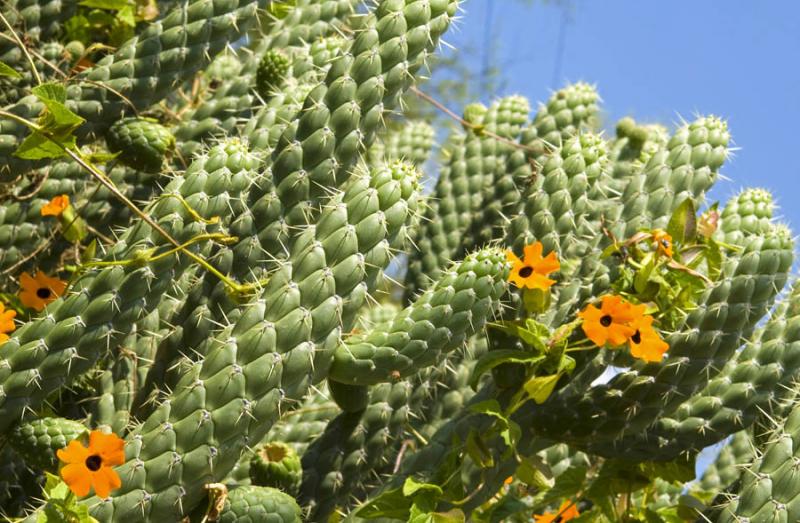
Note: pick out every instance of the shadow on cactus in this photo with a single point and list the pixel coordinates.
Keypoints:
(198, 320)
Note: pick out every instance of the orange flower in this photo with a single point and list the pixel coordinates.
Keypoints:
(91, 467)
(611, 322)
(56, 206)
(508, 480)
(645, 343)
(6, 323)
(663, 242)
(532, 270)
(567, 511)
(37, 291)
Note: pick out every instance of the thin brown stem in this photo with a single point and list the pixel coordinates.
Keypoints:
(103, 179)
(475, 127)
(23, 48)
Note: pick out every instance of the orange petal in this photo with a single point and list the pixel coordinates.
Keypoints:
(511, 257)
(105, 480)
(516, 279)
(54, 284)
(544, 518)
(568, 510)
(651, 348)
(618, 334)
(27, 282)
(638, 312)
(73, 453)
(7, 322)
(533, 253)
(78, 478)
(538, 281)
(548, 264)
(108, 446)
(592, 328)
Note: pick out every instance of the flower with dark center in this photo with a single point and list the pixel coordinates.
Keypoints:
(663, 243)
(645, 343)
(611, 322)
(91, 467)
(39, 290)
(531, 272)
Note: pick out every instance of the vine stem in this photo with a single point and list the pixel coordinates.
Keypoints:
(475, 127)
(103, 179)
(23, 48)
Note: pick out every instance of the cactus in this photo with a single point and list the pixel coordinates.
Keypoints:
(276, 465)
(271, 72)
(230, 313)
(727, 467)
(251, 504)
(140, 143)
(37, 442)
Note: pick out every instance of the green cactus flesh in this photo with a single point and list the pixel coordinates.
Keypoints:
(277, 465)
(259, 505)
(247, 328)
(141, 143)
(37, 441)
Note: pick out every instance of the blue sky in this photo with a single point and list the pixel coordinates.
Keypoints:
(658, 61)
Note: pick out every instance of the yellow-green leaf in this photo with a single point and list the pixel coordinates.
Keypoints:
(683, 222)
(540, 387)
(6, 70)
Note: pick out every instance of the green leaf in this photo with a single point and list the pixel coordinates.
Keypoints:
(73, 228)
(109, 5)
(5, 70)
(535, 472)
(59, 119)
(52, 487)
(642, 278)
(89, 252)
(509, 430)
(126, 16)
(477, 450)
(540, 387)
(50, 92)
(490, 407)
(511, 434)
(683, 222)
(77, 28)
(567, 486)
(96, 157)
(36, 147)
(57, 122)
(535, 334)
(390, 504)
(679, 470)
(494, 358)
(503, 510)
(567, 364)
(451, 516)
(713, 259)
(411, 487)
